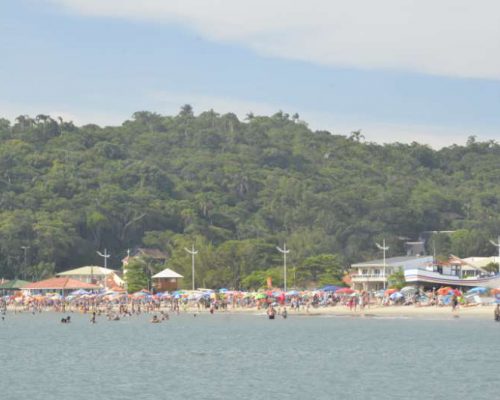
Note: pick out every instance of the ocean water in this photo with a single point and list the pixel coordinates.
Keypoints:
(225, 356)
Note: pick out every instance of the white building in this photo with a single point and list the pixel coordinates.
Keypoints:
(372, 275)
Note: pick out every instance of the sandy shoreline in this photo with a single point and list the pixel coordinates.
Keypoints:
(482, 312)
(477, 312)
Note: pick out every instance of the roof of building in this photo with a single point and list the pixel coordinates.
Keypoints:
(392, 261)
(145, 252)
(167, 273)
(88, 270)
(59, 284)
(15, 284)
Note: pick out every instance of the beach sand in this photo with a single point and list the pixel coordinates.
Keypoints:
(377, 311)
(481, 311)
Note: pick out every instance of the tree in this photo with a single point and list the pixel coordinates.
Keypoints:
(135, 275)
(397, 280)
(324, 268)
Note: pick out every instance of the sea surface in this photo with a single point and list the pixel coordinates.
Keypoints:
(226, 356)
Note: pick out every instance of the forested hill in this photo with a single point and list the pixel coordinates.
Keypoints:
(235, 188)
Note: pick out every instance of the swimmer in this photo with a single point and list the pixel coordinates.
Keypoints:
(155, 320)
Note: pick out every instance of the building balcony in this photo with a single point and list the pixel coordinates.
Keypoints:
(368, 278)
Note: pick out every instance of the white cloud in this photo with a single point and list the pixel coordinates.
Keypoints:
(444, 37)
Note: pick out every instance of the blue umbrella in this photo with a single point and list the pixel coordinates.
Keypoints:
(396, 296)
(478, 290)
(79, 292)
(330, 288)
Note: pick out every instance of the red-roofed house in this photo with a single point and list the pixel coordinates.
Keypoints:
(62, 285)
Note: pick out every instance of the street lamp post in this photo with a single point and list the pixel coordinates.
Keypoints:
(497, 244)
(193, 252)
(105, 255)
(285, 252)
(384, 248)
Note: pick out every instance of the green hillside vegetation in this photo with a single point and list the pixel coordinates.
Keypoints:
(236, 189)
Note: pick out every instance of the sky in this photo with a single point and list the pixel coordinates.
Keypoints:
(398, 70)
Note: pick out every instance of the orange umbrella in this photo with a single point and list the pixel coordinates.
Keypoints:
(388, 292)
(444, 291)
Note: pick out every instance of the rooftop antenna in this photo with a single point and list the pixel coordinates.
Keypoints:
(384, 248)
(193, 252)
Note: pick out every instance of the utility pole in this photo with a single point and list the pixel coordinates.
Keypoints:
(384, 248)
(193, 252)
(497, 244)
(285, 252)
(25, 248)
(105, 255)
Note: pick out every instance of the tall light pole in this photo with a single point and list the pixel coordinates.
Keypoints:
(193, 252)
(25, 248)
(105, 255)
(285, 252)
(384, 248)
(497, 244)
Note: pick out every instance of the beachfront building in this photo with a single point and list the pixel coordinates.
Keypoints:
(61, 285)
(372, 275)
(104, 277)
(152, 256)
(166, 280)
(455, 272)
(15, 285)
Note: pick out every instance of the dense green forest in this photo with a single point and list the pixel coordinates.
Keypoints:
(236, 189)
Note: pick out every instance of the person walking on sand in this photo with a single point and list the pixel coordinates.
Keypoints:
(454, 302)
(497, 313)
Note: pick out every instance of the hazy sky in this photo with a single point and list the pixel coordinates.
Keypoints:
(399, 70)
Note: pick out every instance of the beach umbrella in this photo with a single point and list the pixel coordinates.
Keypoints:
(444, 291)
(260, 296)
(330, 288)
(292, 293)
(79, 292)
(344, 291)
(478, 290)
(390, 291)
(396, 296)
(409, 290)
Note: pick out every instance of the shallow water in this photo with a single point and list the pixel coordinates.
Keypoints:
(226, 356)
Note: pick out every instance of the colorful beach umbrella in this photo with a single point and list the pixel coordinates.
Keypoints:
(344, 291)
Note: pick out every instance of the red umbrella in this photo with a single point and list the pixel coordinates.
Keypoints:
(345, 291)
